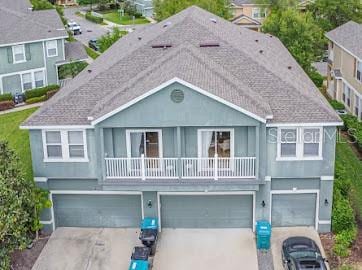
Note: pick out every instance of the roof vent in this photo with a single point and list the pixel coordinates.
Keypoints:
(209, 44)
(257, 40)
(139, 38)
(289, 67)
(261, 51)
(166, 24)
(270, 36)
(89, 71)
(213, 20)
(163, 46)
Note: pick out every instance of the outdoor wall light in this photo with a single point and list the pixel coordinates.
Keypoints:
(149, 203)
(326, 202)
(263, 203)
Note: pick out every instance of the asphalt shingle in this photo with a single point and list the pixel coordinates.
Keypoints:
(349, 36)
(248, 69)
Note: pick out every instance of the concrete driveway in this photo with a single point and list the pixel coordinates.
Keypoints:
(280, 234)
(88, 249)
(206, 249)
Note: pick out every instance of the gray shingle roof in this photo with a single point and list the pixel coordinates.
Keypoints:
(348, 35)
(19, 24)
(251, 70)
(74, 51)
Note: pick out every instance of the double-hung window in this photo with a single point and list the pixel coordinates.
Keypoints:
(64, 146)
(300, 143)
(359, 70)
(52, 48)
(27, 81)
(19, 54)
(39, 78)
(346, 95)
(258, 13)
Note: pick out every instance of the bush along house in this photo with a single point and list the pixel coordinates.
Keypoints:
(193, 120)
(32, 46)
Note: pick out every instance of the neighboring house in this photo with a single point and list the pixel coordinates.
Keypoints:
(32, 45)
(344, 80)
(193, 120)
(251, 14)
(145, 7)
(248, 13)
(65, 2)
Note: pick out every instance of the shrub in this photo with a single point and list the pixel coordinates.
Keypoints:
(92, 18)
(343, 241)
(51, 93)
(91, 53)
(337, 105)
(108, 39)
(316, 78)
(36, 99)
(41, 4)
(343, 215)
(6, 105)
(71, 70)
(6, 97)
(38, 92)
(21, 203)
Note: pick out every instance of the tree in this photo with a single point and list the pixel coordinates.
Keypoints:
(20, 205)
(330, 14)
(299, 33)
(167, 8)
(108, 39)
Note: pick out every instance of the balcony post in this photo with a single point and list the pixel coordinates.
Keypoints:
(178, 163)
(215, 167)
(143, 167)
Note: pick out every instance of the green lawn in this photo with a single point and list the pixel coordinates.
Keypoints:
(18, 139)
(348, 158)
(114, 17)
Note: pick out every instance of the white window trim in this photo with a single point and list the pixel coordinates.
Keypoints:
(199, 138)
(357, 63)
(24, 55)
(128, 139)
(300, 145)
(65, 146)
(260, 11)
(47, 48)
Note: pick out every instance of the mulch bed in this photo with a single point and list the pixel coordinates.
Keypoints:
(356, 250)
(25, 259)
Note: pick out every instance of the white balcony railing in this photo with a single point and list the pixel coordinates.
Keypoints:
(184, 168)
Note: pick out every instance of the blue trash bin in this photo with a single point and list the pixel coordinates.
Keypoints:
(149, 233)
(139, 265)
(263, 234)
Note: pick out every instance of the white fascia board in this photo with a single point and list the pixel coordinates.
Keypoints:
(32, 41)
(325, 124)
(327, 178)
(57, 127)
(180, 81)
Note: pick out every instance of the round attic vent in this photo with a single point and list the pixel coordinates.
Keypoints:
(177, 96)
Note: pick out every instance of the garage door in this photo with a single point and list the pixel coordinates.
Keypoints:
(97, 210)
(208, 211)
(293, 209)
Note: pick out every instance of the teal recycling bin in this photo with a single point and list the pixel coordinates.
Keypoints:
(263, 234)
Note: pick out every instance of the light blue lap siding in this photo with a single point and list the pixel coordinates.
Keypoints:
(210, 211)
(97, 210)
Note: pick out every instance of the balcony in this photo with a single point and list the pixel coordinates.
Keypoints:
(180, 168)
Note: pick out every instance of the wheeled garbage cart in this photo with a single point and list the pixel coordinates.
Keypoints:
(263, 234)
(149, 233)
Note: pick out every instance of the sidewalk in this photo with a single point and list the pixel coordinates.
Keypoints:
(21, 108)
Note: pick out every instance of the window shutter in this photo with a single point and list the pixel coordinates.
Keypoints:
(10, 55)
(27, 52)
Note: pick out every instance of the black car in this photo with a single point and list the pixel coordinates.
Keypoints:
(93, 44)
(302, 253)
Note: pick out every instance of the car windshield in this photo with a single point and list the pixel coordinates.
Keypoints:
(304, 254)
(72, 24)
(311, 265)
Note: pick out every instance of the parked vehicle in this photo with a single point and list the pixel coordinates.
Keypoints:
(93, 44)
(74, 27)
(301, 253)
